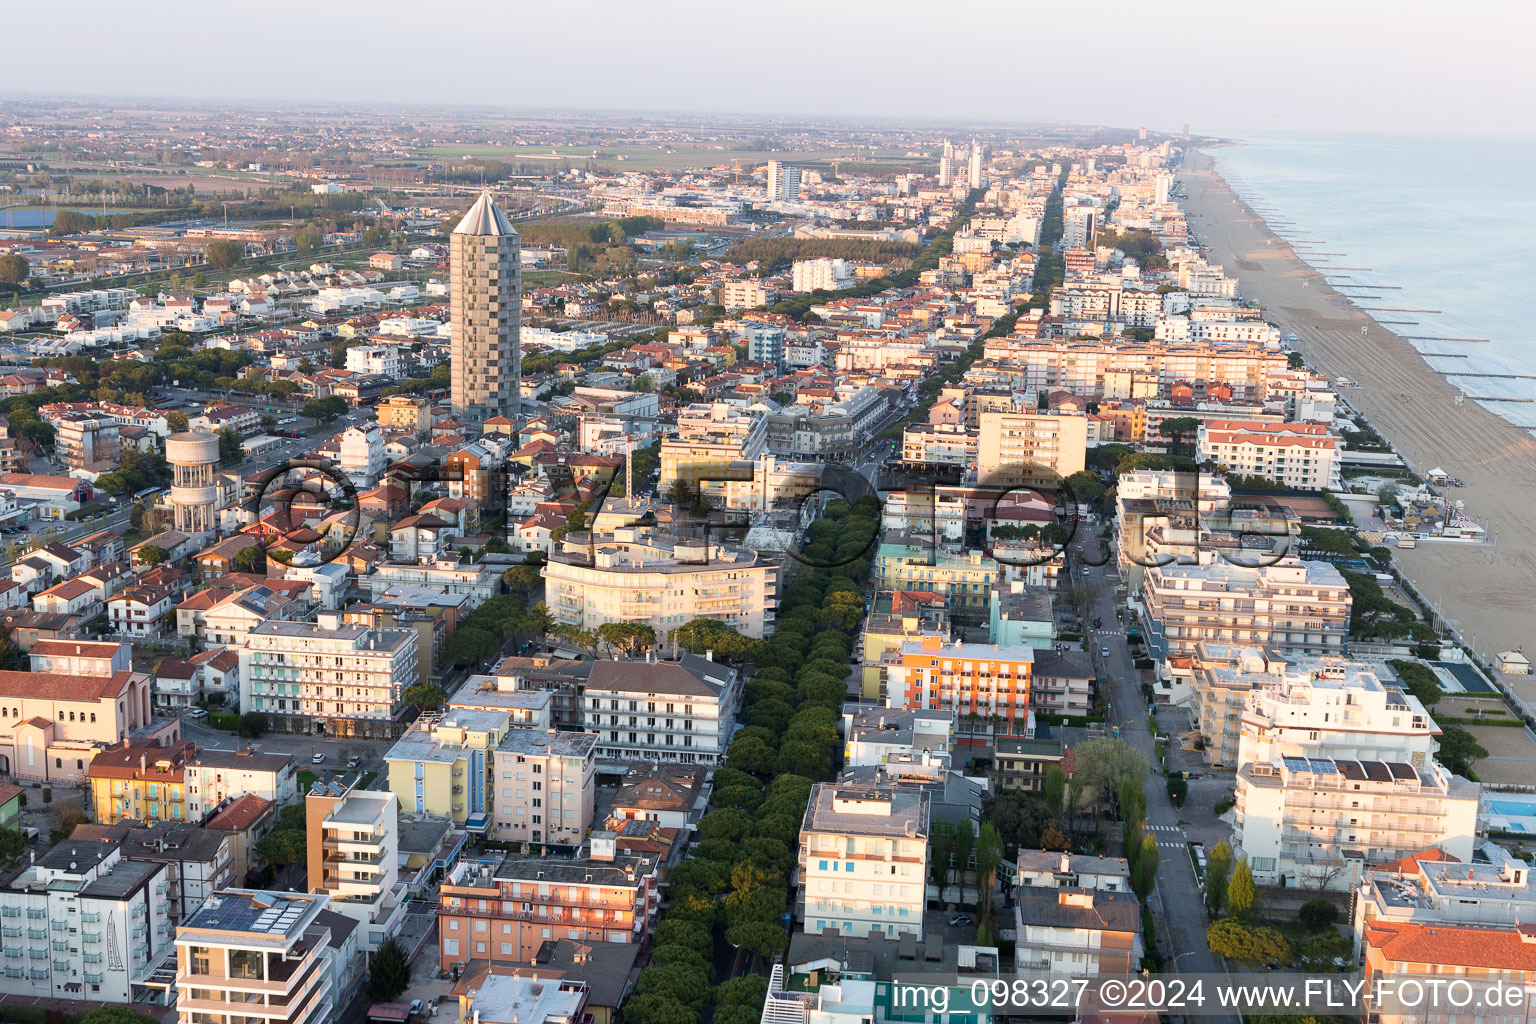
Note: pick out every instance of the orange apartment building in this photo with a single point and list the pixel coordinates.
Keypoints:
(502, 913)
(985, 685)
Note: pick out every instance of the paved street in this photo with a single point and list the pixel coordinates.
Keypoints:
(1181, 934)
(301, 747)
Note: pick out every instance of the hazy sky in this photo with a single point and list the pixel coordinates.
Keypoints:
(1240, 65)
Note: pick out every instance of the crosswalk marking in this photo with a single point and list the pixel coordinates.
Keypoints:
(1165, 828)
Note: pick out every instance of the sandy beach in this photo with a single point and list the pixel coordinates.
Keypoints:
(1487, 591)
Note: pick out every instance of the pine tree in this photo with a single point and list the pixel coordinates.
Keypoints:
(389, 974)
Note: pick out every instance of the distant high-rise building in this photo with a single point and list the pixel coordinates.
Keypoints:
(947, 164)
(783, 181)
(976, 172)
(1141, 133)
(486, 314)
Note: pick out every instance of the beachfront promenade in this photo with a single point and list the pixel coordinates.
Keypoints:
(1487, 591)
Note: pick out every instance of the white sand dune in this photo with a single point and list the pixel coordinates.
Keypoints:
(1488, 591)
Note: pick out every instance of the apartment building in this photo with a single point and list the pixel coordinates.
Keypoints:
(895, 617)
(442, 765)
(711, 441)
(1310, 821)
(543, 787)
(1164, 500)
(1031, 449)
(1072, 930)
(832, 430)
(1300, 455)
(1121, 368)
(1431, 889)
(1021, 614)
(346, 679)
(214, 778)
(86, 440)
(1062, 682)
(360, 453)
(873, 735)
(1291, 606)
(476, 582)
(976, 682)
(679, 711)
(1333, 707)
(54, 721)
(864, 859)
(82, 921)
(143, 783)
(745, 294)
(821, 275)
(410, 413)
(939, 444)
(538, 693)
(245, 950)
(198, 861)
(502, 912)
(635, 575)
(353, 840)
(965, 578)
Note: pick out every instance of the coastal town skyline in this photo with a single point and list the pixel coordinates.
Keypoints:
(519, 565)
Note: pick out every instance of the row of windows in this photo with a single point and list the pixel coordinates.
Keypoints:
(16, 713)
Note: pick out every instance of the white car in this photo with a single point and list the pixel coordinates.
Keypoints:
(317, 759)
(1103, 652)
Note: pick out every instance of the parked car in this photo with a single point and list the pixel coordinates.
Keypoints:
(317, 759)
(196, 713)
(958, 920)
(353, 762)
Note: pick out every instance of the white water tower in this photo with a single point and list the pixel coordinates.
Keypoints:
(194, 459)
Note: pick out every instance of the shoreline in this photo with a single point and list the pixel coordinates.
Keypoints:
(1485, 592)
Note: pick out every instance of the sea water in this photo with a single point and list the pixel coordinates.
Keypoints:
(1450, 220)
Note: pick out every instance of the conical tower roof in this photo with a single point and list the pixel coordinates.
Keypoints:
(485, 218)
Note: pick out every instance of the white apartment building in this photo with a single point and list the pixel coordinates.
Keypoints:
(939, 444)
(783, 182)
(380, 360)
(347, 679)
(864, 859)
(1314, 822)
(1030, 448)
(1333, 707)
(354, 850)
(872, 735)
(1301, 455)
(829, 275)
(630, 575)
(680, 711)
(747, 294)
(213, 777)
(246, 951)
(81, 921)
(361, 454)
(477, 583)
(543, 783)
